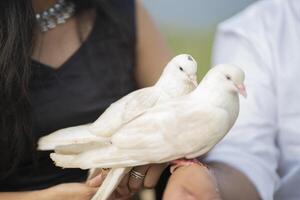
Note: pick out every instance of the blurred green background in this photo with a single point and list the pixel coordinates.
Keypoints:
(189, 25)
(196, 43)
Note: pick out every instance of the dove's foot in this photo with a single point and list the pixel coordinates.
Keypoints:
(184, 162)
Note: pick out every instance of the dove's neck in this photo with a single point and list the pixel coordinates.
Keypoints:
(174, 86)
(216, 95)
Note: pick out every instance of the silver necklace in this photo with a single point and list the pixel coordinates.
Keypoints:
(56, 14)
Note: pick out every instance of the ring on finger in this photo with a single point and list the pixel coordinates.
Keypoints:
(137, 175)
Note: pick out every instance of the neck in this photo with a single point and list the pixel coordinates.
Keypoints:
(42, 5)
(217, 96)
(174, 87)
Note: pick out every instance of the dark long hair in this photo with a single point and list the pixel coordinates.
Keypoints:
(17, 24)
(17, 33)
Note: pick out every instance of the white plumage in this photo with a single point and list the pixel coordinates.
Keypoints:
(178, 78)
(183, 128)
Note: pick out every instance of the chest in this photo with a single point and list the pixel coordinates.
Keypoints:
(96, 75)
(286, 80)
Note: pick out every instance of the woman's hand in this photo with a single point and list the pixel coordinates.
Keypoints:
(66, 191)
(71, 191)
(74, 191)
(191, 183)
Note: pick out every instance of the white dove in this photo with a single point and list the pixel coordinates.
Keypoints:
(183, 128)
(178, 78)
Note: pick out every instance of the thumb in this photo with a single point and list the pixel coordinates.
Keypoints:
(96, 181)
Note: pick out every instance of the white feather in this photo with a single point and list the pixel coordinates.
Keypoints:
(69, 136)
(110, 183)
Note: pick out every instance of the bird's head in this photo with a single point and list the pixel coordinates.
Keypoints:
(229, 76)
(183, 66)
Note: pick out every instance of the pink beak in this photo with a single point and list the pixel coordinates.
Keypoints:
(241, 90)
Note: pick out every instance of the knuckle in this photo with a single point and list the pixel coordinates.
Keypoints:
(149, 185)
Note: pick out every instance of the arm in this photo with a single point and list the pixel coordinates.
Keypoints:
(227, 180)
(151, 50)
(211, 185)
(66, 191)
(34, 195)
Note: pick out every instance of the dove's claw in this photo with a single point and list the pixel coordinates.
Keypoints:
(184, 162)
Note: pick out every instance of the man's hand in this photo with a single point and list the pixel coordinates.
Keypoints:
(192, 182)
(131, 185)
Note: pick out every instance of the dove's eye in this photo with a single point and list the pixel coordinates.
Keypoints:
(228, 77)
(181, 69)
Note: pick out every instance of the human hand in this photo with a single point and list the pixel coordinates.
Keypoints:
(191, 182)
(74, 191)
(131, 185)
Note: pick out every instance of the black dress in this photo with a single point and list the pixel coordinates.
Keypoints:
(97, 74)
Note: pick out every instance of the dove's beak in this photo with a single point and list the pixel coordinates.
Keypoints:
(241, 90)
(193, 79)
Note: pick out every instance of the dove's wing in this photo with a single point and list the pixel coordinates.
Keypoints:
(75, 140)
(161, 134)
(124, 110)
(182, 127)
(79, 148)
(69, 136)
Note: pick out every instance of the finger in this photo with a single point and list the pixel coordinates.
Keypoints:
(134, 183)
(153, 174)
(123, 189)
(93, 173)
(96, 181)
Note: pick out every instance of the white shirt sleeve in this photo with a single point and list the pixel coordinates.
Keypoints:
(250, 145)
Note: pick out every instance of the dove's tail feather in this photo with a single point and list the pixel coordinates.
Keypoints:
(79, 148)
(68, 136)
(110, 183)
(61, 160)
(108, 157)
(70, 161)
